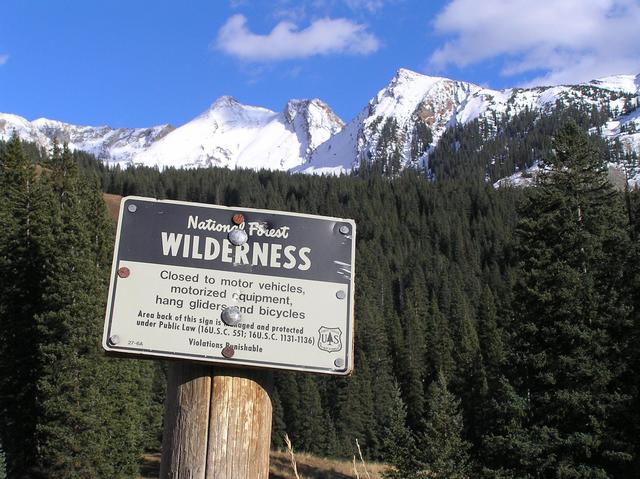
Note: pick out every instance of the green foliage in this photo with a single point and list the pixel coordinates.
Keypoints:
(153, 407)
(278, 425)
(440, 450)
(387, 157)
(400, 446)
(20, 301)
(572, 316)
(489, 341)
(443, 449)
(68, 411)
(494, 148)
(421, 247)
(420, 140)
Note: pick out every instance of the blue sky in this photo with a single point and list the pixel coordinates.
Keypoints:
(142, 63)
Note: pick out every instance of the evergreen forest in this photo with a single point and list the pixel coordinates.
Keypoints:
(497, 329)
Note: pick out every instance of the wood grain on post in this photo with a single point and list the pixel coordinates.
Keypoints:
(240, 425)
(217, 423)
(186, 421)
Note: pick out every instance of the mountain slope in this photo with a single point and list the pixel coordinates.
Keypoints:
(228, 134)
(400, 127)
(406, 119)
(233, 135)
(112, 145)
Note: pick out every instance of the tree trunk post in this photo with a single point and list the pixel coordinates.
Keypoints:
(186, 420)
(217, 423)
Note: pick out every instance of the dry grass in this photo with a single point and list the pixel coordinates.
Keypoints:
(309, 467)
(113, 205)
(294, 466)
(313, 467)
(150, 466)
(364, 465)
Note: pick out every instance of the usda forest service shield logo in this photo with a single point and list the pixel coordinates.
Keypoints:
(330, 339)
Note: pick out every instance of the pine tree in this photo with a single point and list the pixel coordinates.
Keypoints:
(439, 342)
(20, 267)
(82, 431)
(443, 450)
(354, 418)
(489, 334)
(506, 447)
(414, 355)
(573, 243)
(312, 423)
(278, 425)
(399, 443)
(67, 411)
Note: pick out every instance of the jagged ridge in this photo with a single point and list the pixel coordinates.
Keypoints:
(397, 129)
(406, 119)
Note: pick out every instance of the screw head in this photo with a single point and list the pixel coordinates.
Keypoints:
(238, 219)
(228, 351)
(231, 316)
(340, 294)
(114, 339)
(339, 363)
(344, 229)
(132, 208)
(124, 272)
(238, 237)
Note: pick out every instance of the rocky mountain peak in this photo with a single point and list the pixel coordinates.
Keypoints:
(400, 126)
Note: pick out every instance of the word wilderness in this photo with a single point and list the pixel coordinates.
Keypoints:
(192, 280)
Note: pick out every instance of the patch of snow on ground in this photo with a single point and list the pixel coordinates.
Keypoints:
(519, 179)
(622, 83)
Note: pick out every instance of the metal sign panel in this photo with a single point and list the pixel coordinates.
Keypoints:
(236, 286)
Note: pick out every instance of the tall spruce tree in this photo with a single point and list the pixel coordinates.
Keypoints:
(571, 315)
(399, 442)
(278, 425)
(21, 212)
(82, 431)
(67, 411)
(442, 448)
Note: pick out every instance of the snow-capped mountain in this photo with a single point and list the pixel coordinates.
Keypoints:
(119, 145)
(228, 134)
(398, 128)
(626, 127)
(407, 117)
(233, 135)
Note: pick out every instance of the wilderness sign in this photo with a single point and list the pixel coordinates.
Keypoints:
(237, 286)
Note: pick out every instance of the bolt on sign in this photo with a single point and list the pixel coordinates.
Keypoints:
(235, 286)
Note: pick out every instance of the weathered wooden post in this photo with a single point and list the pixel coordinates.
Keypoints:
(186, 419)
(241, 289)
(217, 423)
(239, 425)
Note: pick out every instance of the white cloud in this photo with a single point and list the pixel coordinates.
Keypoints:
(4, 57)
(292, 13)
(567, 40)
(234, 4)
(322, 37)
(359, 6)
(369, 5)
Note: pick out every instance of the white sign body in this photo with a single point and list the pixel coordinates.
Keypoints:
(175, 271)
